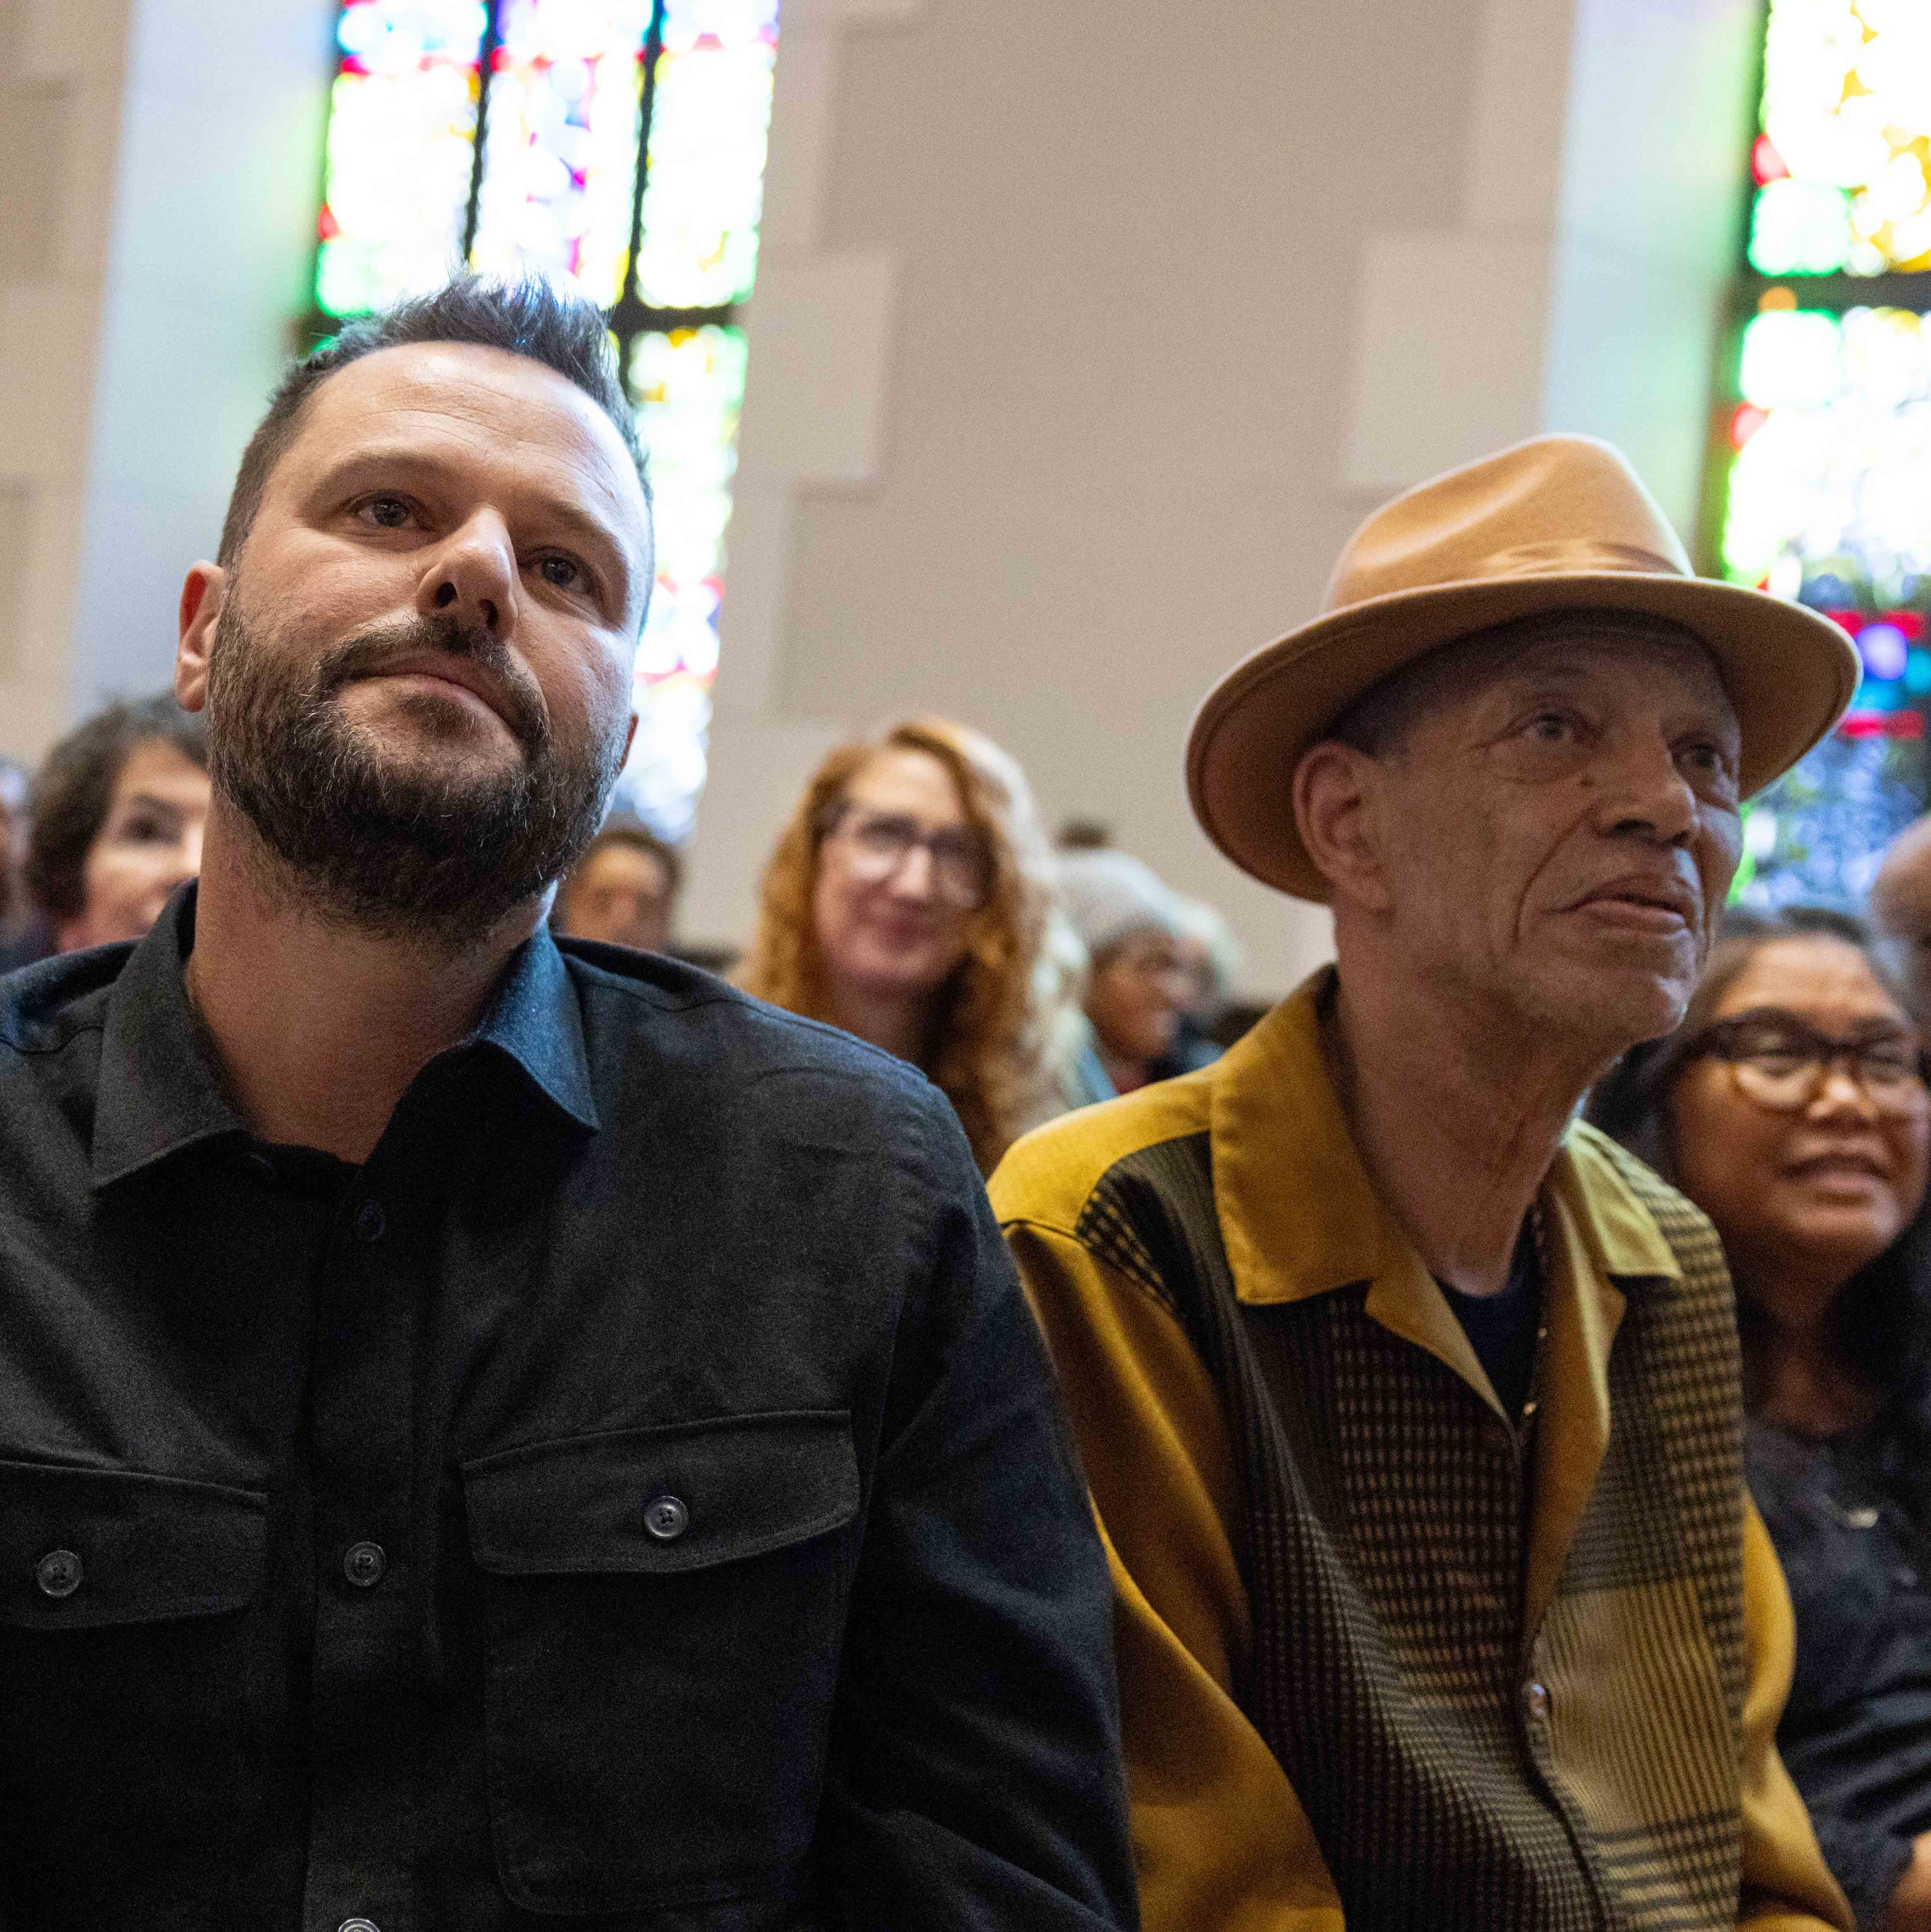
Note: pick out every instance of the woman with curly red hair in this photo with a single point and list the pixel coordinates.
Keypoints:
(910, 901)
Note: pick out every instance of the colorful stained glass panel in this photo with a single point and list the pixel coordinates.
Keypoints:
(560, 151)
(402, 131)
(689, 388)
(1844, 164)
(709, 119)
(1829, 492)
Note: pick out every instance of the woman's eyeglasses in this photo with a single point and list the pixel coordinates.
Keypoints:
(1780, 1064)
(878, 843)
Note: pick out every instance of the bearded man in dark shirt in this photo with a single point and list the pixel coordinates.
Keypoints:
(495, 1436)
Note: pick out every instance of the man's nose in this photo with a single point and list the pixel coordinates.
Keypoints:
(472, 577)
(1644, 791)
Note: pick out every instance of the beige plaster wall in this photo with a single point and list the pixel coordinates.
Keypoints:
(62, 64)
(1145, 309)
(1084, 334)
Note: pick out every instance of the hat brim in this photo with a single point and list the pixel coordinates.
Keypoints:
(1790, 673)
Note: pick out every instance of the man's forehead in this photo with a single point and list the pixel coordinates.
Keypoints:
(451, 394)
(1587, 648)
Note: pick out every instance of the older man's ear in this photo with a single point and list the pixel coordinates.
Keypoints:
(1341, 808)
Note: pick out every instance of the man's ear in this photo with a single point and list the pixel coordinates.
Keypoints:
(1340, 799)
(201, 597)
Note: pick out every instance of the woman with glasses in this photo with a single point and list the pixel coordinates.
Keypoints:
(910, 900)
(1791, 1107)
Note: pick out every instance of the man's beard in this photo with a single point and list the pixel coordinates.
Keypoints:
(371, 840)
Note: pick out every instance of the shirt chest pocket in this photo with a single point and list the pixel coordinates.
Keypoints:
(127, 1669)
(663, 1610)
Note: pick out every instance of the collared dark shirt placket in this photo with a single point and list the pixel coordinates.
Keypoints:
(365, 1723)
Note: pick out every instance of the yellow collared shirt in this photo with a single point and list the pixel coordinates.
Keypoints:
(1224, 1842)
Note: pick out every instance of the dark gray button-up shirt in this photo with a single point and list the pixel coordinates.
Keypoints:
(635, 1497)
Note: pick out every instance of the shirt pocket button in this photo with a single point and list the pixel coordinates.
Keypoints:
(666, 1518)
(364, 1564)
(58, 1573)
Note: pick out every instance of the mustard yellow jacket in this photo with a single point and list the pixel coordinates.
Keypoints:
(1223, 1840)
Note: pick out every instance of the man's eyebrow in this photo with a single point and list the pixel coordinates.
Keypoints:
(389, 459)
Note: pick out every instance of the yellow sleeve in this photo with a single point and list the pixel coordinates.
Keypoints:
(1220, 1840)
(1786, 1886)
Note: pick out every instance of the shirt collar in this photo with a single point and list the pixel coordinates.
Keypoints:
(534, 1021)
(158, 1093)
(1299, 1218)
(1298, 1214)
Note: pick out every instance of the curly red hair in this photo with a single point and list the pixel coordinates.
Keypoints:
(992, 1028)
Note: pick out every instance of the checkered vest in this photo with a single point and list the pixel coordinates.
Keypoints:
(1459, 1770)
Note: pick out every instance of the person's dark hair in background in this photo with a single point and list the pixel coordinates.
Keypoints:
(623, 890)
(1084, 834)
(116, 814)
(1791, 1106)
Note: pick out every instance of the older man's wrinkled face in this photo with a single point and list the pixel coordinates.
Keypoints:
(1559, 831)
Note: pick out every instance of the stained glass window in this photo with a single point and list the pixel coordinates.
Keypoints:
(509, 134)
(1822, 448)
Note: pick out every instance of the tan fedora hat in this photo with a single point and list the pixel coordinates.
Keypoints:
(1559, 523)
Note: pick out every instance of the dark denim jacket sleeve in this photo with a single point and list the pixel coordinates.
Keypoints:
(1866, 1860)
(975, 1778)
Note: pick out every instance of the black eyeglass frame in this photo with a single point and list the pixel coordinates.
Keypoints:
(841, 812)
(1725, 1040)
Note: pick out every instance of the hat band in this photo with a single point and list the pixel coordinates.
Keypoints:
(1565, 554)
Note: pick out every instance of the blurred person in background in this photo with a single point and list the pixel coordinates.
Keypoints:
(117, 812)
(1210, 959)
(908, 901)
(1900, 907)
(13, 786)
(1791, 1107)
(623, 891)
(1137, 985)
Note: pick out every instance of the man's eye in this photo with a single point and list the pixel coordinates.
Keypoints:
(564, 572)
(1550, 728)
(387, 513)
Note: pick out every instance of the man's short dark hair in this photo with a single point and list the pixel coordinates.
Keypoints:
(70, 797)
(527, 317)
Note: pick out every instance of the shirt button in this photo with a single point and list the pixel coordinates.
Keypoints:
(370, 1221)
(364, 1564)
(58, 1573)
(1535, 1698)
(358, 1925)
(667, 1519)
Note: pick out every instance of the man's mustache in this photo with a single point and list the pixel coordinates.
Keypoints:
(369, 654)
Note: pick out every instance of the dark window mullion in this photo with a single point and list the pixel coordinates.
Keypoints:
(491, 40)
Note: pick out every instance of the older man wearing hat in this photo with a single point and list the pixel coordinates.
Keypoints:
(1409, 1404)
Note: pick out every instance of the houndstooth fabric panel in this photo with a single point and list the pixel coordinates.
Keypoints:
(1385, 1509)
